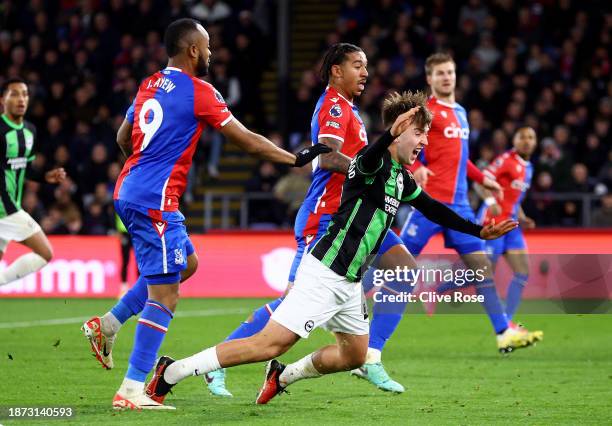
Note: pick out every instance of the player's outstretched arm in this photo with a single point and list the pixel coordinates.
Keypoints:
(439, 213)
(124, 138)
(261, 147)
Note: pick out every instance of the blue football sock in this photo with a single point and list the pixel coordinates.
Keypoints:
(492, 305)
(387, 315)
(257, 323)
(132, 302)
(150, 332)
(515, 291)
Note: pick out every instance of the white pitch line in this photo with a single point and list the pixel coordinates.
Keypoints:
(79, 320)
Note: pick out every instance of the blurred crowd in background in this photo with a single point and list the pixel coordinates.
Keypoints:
(542, 63)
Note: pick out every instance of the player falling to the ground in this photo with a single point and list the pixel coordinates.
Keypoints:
(336, 123)
(442, 168)
(327, 291)
(513, 171)
(159, 136)
(16, 151)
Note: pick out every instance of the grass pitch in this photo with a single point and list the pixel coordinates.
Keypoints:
(448, 364)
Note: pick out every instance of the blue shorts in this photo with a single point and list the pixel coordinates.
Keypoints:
(418, 230)
(310, 227)
(160, 240)
(513, 240)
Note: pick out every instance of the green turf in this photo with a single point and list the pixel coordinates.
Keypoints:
(448, 364)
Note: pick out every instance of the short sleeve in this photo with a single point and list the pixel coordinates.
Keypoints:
(334, 120)
(411, 189)
(209, 105)
(129, 115)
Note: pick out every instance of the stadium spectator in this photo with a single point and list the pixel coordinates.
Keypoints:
(602, 217)
(264, 213)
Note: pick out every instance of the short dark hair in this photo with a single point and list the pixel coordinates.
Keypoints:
(396, 104)
(336, 55)
(437, 59)
(176, 32)
(7, 83)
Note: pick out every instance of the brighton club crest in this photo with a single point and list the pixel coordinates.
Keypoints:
(400, 185)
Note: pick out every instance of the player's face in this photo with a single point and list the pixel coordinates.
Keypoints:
(203, 58)
(410, 143)
(354, 73)
(442, 79)
(525, 142)
(15, 100)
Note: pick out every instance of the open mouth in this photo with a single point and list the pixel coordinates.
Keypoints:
(417, 150)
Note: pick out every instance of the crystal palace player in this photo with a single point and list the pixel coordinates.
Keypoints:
(327, 291)
(159, 136)
(16, 152)
(443, 169)
(336, 123)
(513, 171)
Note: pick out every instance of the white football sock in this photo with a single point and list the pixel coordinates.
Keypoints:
(22, 266)
(302, 369)
(195, 365)
(130, 387)
(373, 356)
(110, 325)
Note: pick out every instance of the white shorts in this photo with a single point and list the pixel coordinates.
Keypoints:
(322, 298)
(18, 226)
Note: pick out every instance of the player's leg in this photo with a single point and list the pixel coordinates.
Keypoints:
(348, 353)
(309, 304)
(20, 227)
(102, 330)
(515, 253)
(308, 229)
(160, 240)
(508, 338)
(274, 340)
(386, 315)
(517, 259)
(350, 327)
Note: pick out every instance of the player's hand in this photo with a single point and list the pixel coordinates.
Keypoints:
(493, 230)
(527, 222)
(401, 119)
(421, 175)
(306, 155)
(494, 187)
(55, 175)
(495, 209)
